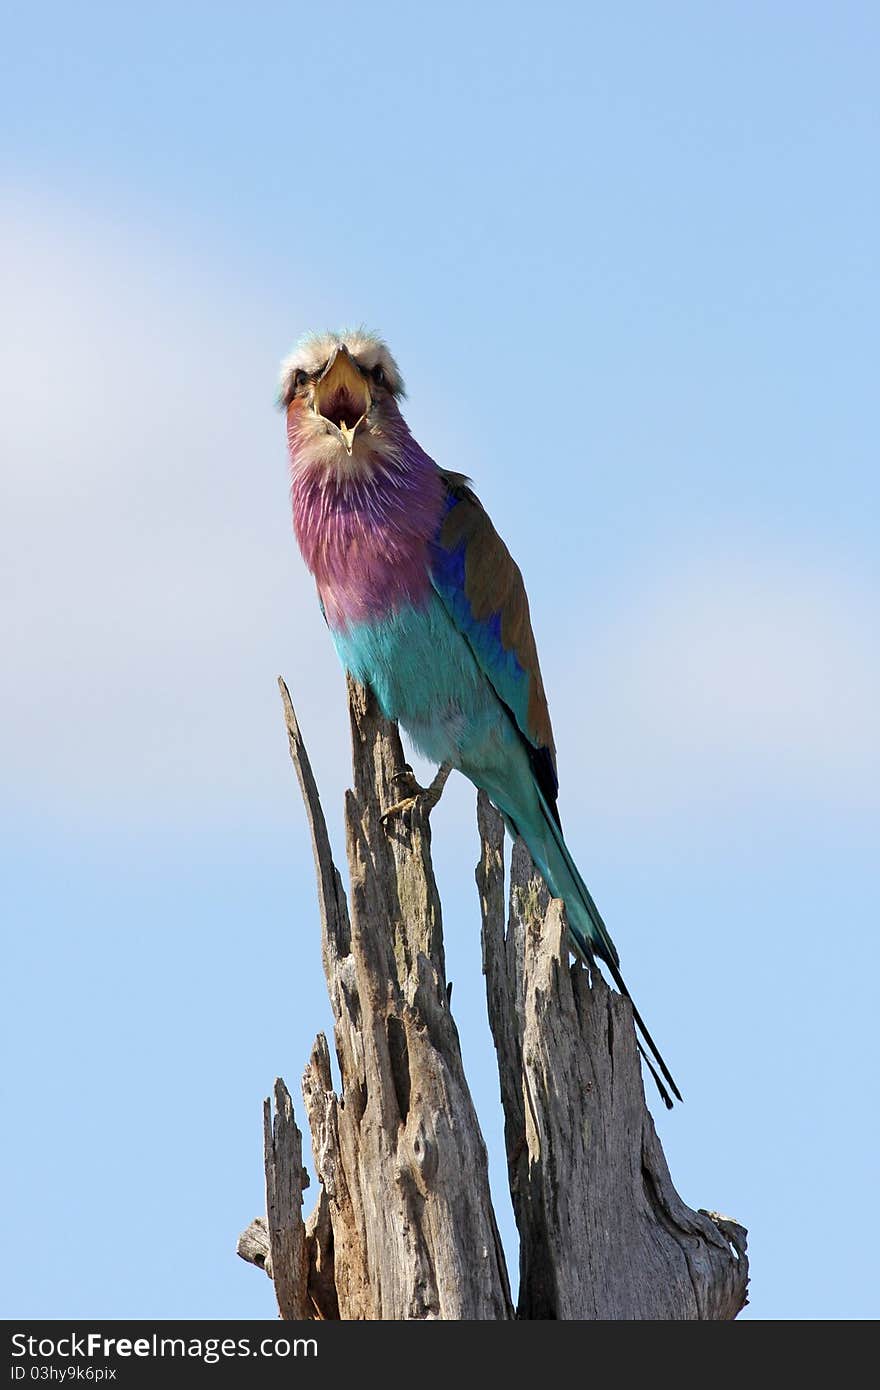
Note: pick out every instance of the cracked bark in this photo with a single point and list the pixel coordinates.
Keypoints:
(404, 1226)
(603, 1232)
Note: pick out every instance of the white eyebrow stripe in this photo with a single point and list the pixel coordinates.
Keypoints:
(368, 350)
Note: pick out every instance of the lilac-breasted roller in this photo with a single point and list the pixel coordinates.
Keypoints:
(426, 606)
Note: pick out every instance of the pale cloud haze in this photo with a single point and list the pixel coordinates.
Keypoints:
(155, 589)
(153, 577)
(742, 679)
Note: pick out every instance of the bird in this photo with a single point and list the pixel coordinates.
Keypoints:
(427, 608)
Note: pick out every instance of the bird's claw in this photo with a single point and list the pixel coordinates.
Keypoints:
(407, 778)
(400, 808)
(425, 798)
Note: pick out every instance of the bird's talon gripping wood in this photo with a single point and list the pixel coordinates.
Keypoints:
(407, 779)
(412, 792)
(425, 798)
(427, 608)
(400, 808)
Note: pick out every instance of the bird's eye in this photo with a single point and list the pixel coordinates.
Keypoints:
(378, 375)
(300, 378)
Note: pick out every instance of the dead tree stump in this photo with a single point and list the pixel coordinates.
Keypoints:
(404, 1227)
(603, 1233)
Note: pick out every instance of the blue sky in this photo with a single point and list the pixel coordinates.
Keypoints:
(626, 258)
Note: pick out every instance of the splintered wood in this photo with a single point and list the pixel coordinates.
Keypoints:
(403, 1227)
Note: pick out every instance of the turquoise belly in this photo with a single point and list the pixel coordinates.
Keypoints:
(425, 675)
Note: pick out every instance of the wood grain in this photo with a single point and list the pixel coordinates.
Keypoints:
(404, 1226)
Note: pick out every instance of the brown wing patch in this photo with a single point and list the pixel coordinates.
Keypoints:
(494, 584)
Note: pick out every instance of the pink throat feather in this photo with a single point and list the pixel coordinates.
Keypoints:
(365, 536)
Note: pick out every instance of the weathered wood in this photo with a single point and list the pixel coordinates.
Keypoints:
(404, 1226)
(603, 1233)
(303, 1254)
(322, 1267)
(399, 1152)
(253, 1245)
(285, 1180)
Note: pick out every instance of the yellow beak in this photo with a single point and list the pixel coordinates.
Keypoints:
(342, 396)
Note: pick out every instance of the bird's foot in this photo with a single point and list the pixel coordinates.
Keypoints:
(425, 798)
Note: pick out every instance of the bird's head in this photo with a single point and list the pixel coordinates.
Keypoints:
(340, 391)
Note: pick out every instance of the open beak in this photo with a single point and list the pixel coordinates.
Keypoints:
(342, 396)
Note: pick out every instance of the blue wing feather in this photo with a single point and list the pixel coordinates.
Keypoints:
(510, 665)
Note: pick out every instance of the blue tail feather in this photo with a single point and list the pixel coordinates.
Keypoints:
(589, 935)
